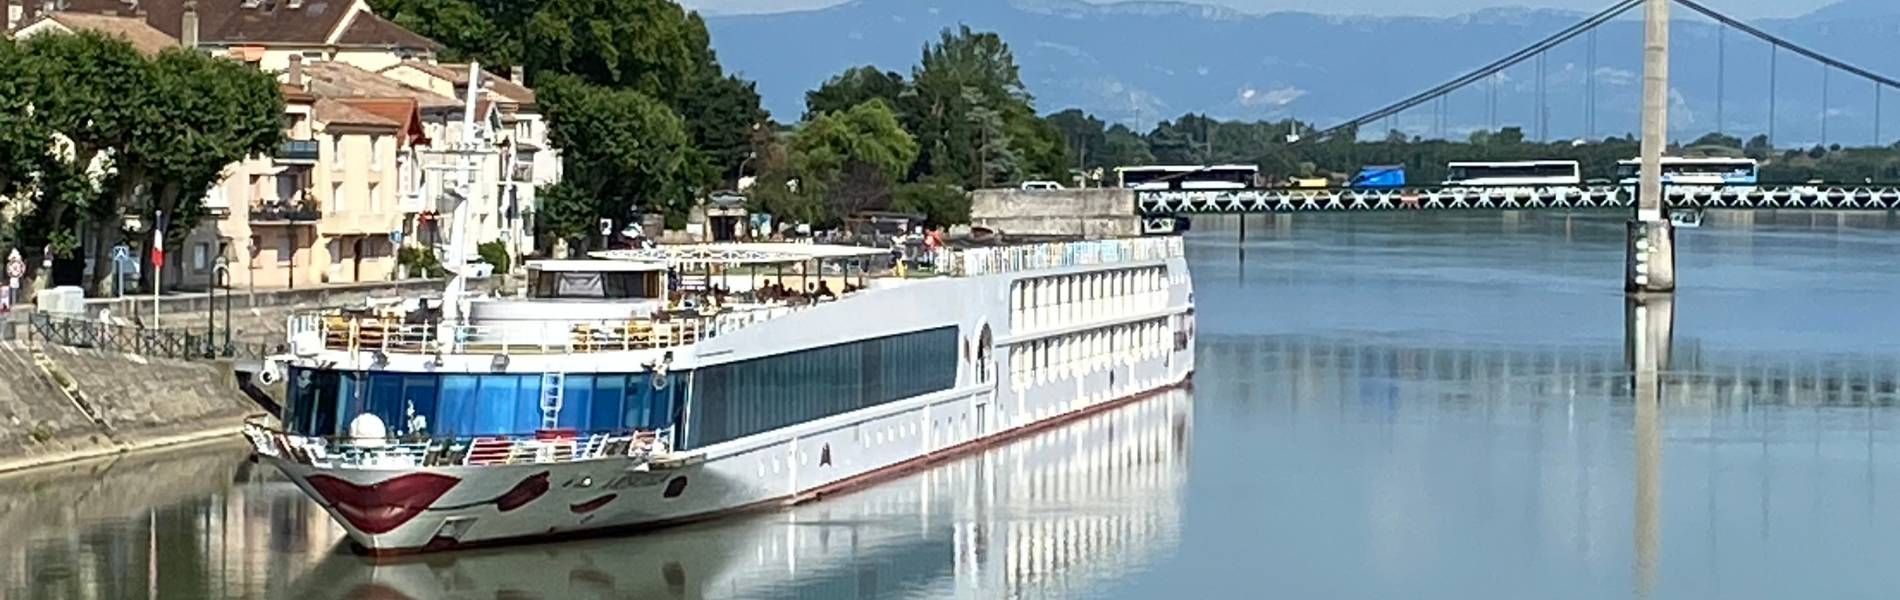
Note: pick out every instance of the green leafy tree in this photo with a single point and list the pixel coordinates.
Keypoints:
(488, 31)
(203, 113)
(648, 46)
(853, 157)
(623, 152)
(1085, 136)
(91, 89)
(853, 87)
(941, 203)
(972, 115)
(723, 117)
(1122, 147)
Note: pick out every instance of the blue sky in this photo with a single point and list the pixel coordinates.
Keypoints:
(1739, 8)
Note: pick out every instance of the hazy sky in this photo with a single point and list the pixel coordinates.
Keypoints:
(1739, 8)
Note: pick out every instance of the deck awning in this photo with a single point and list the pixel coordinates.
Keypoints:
(740, 254)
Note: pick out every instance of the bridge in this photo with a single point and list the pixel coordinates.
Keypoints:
(1656, 206)
(1175, 203)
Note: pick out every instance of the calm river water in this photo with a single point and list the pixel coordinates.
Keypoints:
(1416, 406)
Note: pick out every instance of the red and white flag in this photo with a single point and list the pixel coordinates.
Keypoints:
(158, 241)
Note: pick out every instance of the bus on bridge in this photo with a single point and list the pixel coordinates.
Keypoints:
(1718, 172)
(1532, 173)
(1189, 177)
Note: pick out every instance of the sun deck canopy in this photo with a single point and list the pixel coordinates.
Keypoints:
(739, 254)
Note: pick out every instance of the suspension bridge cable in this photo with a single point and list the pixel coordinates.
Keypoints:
(1589, 25)
(1791, 46)
(1486, 71)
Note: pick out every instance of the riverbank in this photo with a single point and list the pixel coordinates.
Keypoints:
(59, 405)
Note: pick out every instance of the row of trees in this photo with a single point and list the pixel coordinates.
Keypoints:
(92, 132)
(1199, 139)
(877, 140)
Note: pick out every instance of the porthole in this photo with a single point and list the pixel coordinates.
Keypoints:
(674, 487)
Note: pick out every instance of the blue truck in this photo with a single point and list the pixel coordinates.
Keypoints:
(1379, 178)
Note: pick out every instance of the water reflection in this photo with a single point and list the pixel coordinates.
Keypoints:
(1458, 406)
(183, 524)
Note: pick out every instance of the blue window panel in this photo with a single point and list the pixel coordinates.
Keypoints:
(527, 403)
(577, 401)
(610, 392)
(497, 404)
(386, 401)
(455, 407)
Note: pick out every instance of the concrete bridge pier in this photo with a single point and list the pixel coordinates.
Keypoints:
(1650, 322)
(1651, 268)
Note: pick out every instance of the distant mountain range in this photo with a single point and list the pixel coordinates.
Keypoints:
(1141, 62)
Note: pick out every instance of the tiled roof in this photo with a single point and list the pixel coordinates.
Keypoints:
(401, 111)
(338, 80)
(229, 22)
(338, 112)
(457, 73)
(136, 31)
(367, 29)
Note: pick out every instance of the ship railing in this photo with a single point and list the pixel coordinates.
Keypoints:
(393, 336)
(974, 262)
(408, 452)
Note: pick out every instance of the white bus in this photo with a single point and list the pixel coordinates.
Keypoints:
(1170, 177)
(1523, 173)
(1694, 171)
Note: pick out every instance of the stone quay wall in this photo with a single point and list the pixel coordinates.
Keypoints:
(61, 404)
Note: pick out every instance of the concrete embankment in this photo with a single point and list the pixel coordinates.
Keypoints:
(1095, 212)
(61, 404)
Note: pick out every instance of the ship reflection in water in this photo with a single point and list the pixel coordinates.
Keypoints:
(1056, 514)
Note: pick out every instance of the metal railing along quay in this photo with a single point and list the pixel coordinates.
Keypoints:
(144, 341)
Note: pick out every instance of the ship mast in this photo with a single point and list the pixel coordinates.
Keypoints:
(470, 147)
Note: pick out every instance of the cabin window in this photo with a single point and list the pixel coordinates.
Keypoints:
(323, 402)
(574, 284)
(743, 398)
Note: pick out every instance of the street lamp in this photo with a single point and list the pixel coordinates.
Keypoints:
(748, 159)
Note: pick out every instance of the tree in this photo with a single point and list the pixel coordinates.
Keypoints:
(1122, 147)
(972, 116)
(853, 157)
(203, 113)
(941, 203)
(90, 89)
(853, 87)
(653, 47)
(1718, 140)
(722, 117)
(23, 139)
(1084, 135)
(485, 31)
(622, 152)
(1758, 147)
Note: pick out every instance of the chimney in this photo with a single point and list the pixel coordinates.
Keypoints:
(294, 75)
(188, 25)
(517, 75)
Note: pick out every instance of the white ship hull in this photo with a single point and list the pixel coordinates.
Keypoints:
(1052, 514)
(1025, 365)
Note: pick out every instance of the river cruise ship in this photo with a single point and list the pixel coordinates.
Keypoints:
(649, 387)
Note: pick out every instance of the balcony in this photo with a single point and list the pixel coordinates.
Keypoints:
(280, 212)
(523, 172)
(297, 151)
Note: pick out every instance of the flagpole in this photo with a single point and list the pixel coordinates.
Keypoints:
(158, 261)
